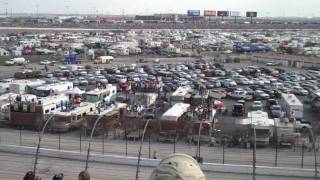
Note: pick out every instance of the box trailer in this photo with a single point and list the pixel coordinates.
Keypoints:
(292, 106)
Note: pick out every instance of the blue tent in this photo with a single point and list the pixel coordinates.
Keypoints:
(71, 59)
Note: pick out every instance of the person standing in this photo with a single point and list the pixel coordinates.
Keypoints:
(46, 68)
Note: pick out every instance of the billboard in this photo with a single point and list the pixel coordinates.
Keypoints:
(210, 13)
(223, 13)
(193, 13)
(252, 14)
(234, 13)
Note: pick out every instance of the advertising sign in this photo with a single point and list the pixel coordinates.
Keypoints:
(252, 14)
(234, 13)
(223, 13)
(193, 13)
(210, 13)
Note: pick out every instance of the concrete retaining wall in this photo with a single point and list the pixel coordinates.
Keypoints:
(132, 161)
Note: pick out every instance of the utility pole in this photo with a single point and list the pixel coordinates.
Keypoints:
(67, 9)
(37, 10)
(6, 4)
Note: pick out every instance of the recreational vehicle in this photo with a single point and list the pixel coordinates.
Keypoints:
(31, 112)
(49, 89)
(292, 106)
(104, 97)
(180, 95)
(71, 118)
(172, 122)
(263, 126)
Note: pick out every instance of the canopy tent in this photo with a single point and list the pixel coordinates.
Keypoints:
(75, 91)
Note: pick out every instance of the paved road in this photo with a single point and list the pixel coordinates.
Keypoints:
(71, 141)
(16, 165)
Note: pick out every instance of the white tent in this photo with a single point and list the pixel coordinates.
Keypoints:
(75, 91)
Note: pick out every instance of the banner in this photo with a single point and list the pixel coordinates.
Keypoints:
(210, 13)
(223, 13)
(193, 13)
(252, 14)
(234, 13)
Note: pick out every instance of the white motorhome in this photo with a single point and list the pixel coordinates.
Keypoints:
(51, 89)
(262, 124)
(292, 106)
(53, 104)
(63, 121)
(105, 96)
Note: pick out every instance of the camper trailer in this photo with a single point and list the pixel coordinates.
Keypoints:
(17, 61)
(172, 122)
(180, 95)
(103, 60)
(20, 86)
(49, 89)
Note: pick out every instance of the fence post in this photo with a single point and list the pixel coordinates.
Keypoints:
(20, 134)
(59, 141)
(104, 134)
(149, 148)
(276, 159)
(302, 155)
(222, 152)
(80, 139)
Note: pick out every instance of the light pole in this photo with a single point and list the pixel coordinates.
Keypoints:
(6, 4)
(254, 153)
(140, 148)
(37, 10)
(39, 142)
(92, 131)
(254, 149)
(315, 154)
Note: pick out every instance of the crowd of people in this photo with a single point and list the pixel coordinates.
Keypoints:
(83, 175)
(175, 166)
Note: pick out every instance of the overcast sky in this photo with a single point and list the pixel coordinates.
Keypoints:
(305, 8)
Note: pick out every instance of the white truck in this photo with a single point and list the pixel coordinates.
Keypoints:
(292, 106)
(17, 61)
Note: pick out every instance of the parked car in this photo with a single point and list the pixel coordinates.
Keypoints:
(275, 111)
(83, 82)
(239, 94)
(297, 90)
(257, 106)
(47, 62)
(229, 83)
(259, 94)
